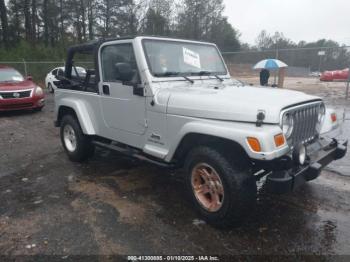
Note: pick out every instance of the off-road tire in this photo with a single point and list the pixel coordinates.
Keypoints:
(239, 185)
(84, 148)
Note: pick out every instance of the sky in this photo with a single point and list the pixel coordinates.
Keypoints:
(307, 20)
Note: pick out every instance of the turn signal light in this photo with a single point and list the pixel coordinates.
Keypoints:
(254, 144)
(279, 140)
(334, 117)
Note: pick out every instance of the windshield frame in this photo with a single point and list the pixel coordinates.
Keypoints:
(181, 74)
(15, 72)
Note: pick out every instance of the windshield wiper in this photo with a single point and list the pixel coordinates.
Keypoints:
(208, 73)
(202, 73)
(188, 79)
(169, 73)
(219, 78)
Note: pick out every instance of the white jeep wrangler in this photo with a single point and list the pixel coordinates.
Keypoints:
(172, 102)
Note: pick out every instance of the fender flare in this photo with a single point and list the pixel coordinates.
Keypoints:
(235, 132)
(200, 128)
(82, 111)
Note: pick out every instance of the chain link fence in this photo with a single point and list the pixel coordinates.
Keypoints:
(305, 65)
(39, 69)
(302, 62)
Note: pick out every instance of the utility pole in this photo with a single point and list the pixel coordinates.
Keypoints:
(276, 57)
(321, 54)
(25, 68)
(347, 86)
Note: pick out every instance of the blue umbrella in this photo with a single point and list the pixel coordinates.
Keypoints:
(270, 64)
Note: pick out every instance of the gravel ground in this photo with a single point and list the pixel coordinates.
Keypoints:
(113, 205)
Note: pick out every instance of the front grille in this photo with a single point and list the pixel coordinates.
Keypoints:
(14, 106)
(15, 94)
(305, 123)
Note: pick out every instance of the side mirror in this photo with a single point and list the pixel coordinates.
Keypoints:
(139, 90)
(124, 72)
(30, 78)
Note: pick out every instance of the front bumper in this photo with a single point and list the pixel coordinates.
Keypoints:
(321, 154)
(22, 103)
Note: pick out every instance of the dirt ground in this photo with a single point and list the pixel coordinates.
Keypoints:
(113, 205)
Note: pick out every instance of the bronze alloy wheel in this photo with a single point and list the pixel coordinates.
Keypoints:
(207, 187)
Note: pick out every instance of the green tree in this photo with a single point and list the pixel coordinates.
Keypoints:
(204, 20)
(4, 22)
(155, 24)
(224, 35)
(59, 23)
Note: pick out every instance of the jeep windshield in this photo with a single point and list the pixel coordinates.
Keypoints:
(167, 58)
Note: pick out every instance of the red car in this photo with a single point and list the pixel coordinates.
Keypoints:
(337, 75)
(18, 93)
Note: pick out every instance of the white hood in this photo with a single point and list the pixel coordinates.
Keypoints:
(232, 102)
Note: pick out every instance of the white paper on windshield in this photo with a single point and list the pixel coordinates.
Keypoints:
(191, 58)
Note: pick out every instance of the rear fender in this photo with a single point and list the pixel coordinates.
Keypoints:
(82, 111)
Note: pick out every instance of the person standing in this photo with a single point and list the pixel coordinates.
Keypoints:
(264, 77)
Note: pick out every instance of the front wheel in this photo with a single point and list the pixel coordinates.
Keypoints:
(77, 145)
(222, 193)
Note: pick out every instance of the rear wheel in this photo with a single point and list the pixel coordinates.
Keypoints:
(222, 193)
(77, 145)
(49, 86)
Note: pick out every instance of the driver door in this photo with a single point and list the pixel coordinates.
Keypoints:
(122, 110)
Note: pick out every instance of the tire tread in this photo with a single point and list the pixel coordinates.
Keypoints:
(241, 185)
(85, 148)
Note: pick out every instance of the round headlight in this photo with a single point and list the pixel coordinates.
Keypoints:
(321, 117)
(39, 91)
(287, 125)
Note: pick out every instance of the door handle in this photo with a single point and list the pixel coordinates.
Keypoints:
(105, 90)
